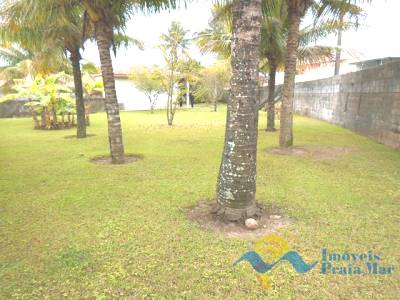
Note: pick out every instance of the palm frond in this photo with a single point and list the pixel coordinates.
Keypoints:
(217, 42)
(13, 55)
(336, 9)
(122, 40)
(312, 33)
(315, 55)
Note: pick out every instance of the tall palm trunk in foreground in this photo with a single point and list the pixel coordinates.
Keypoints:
(296, 11)
(103, 33)
(271, 97)
(80, 105)
(236, 186)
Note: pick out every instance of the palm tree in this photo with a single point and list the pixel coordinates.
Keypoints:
(103, 15)
(173, 46)
(106, 17)
(308, 54)
(296, 11)
(347, 15)
(20, 63)
(272, 49)
(58, 23)
(69, 34)
(273, 44)
(236, 185)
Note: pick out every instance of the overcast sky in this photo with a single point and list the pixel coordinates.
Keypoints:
(377, 37)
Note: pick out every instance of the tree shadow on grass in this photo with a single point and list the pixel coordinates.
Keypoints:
(73, 136)
(106, 159)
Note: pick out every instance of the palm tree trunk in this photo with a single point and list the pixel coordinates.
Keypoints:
(271, 98)
(236, 186)
(187, 94)
(114, 123)
(87, 114)
(80, 105)
(170, 113)
(338, 50)
(35, 119)
(215, 98)
(62, 121)
(34, 116)
(286, 120)
(55, 121)
(43, 118)
(48, 119)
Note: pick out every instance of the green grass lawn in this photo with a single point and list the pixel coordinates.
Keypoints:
(73, 229)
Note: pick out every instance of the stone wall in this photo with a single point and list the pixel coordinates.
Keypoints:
(95, 104)
(17, 108)
(14, 108)
(367, 102)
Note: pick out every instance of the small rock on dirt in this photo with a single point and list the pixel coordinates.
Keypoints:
(251, 223)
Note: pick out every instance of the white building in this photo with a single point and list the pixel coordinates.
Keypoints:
(130, 97)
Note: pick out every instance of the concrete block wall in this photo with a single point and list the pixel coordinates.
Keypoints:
(367, 102)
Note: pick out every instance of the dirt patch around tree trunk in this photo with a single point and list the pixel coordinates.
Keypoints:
(106, 160)
(313, 152)
(269, 221)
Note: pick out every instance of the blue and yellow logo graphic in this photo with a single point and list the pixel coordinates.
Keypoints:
(277, 249)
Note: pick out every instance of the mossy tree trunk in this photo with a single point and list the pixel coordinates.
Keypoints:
(236, 186)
